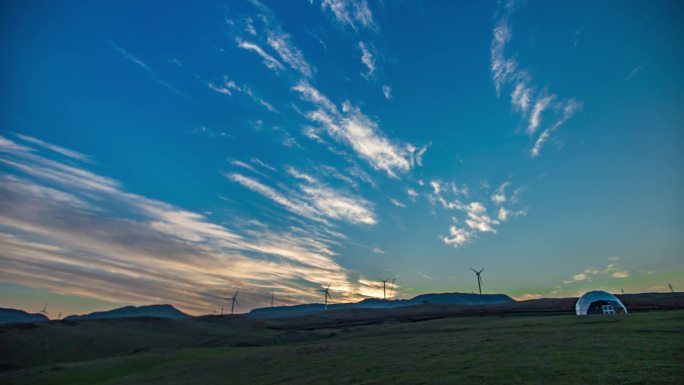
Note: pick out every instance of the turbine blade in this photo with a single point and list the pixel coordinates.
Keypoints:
(328, 286)
(473, 270)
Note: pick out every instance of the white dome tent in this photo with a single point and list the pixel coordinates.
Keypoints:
(599, 302)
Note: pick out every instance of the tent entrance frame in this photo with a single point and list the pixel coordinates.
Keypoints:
(608, 309)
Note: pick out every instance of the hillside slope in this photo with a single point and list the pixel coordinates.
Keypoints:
(158, 311)
(17, 316)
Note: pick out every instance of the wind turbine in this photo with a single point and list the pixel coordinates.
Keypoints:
(326, 295)
(479, 279)
(272, 296)
(44, 311)
(392, 287)
(233, 300)
(384, 283)
(670, 286)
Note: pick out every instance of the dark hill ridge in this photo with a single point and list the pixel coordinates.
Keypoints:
(19, 316)
(43, 343)
(464, 299)
(424, 306)
(158, 311)
(366, 316)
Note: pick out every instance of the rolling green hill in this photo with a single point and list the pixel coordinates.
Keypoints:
(642, 348)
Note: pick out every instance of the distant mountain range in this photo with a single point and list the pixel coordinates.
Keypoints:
(19, 316)
(168, 311)
(159, 311)
(374, 303)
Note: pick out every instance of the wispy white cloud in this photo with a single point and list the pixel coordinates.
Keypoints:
(478, 219)
(314, 200)
(367, 59)
(397, 203)
(246, 166)
(132, 58)
(249, 27)
(204, 130)
(579, 277)
(58, 233)
(295, 206)
(500, 195)
(621, 274)
(153, 75)
(535, 118)
(350, 13)
(263, 164)
(416, 154)
(633, 73)
(286, 138)
(350, 126)
(272, 43)
(527, 296)
(458, 236)
(269, 61)
(337, 206)
(333, 203)
(280, 42)
(220, 89)
(521, 97)
(503, 213)
(175, 62)
(569, 109)
(532, 102)
(360, 174)
(60, 150)
(332, 172)
(610, 269)
(227, 86)
(502, 68)
(387, 91)
(472, 217)
(311, 94)
(440, 188)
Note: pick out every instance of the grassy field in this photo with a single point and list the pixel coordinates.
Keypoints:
(642, 348)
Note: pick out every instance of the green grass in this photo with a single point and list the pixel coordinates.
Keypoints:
(642, 348)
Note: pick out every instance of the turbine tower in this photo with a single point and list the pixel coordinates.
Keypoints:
(479, 279)
(384, 283)
(326, 295)
(272, 296)
(233, 300)
(392, 287)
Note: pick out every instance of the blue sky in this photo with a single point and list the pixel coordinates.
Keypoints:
(154, 152)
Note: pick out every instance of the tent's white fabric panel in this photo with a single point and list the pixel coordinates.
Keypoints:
(588, 298)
